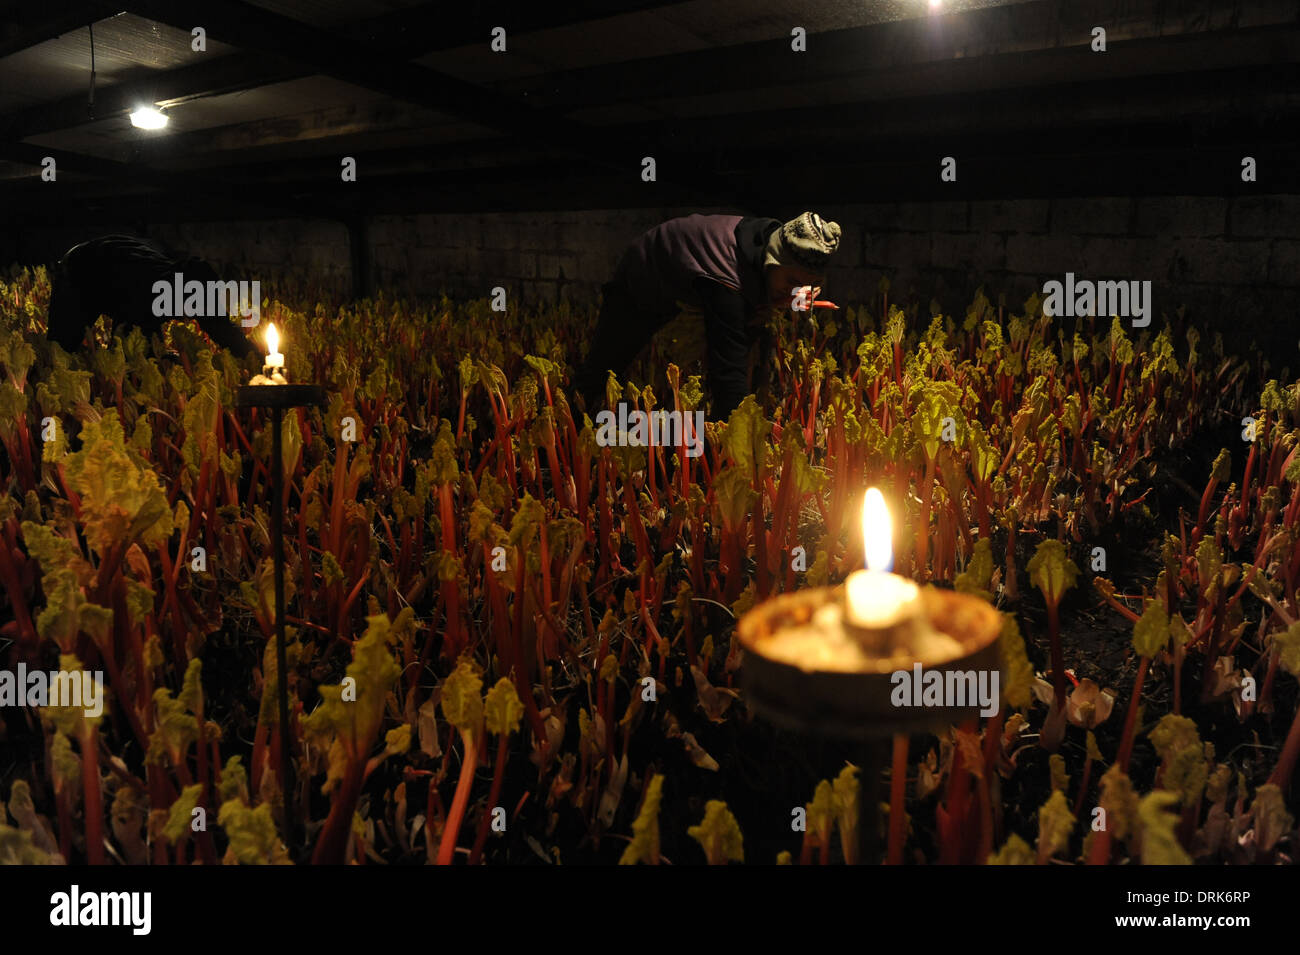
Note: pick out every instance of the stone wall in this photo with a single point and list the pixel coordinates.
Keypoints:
(1234, 264)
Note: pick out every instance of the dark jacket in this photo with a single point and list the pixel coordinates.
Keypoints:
(114, 276)
(714, 263)
(732, 317)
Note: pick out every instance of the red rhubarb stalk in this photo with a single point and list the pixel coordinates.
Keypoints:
(447, 848)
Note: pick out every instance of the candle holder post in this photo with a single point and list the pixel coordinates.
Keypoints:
(869, 801)
(275, 398)
(856, 705)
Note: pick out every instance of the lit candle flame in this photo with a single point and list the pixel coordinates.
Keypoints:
(272, 339)
(877, 532)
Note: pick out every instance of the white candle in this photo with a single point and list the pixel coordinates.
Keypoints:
(877, 600)
(273, 358)
(874, 598)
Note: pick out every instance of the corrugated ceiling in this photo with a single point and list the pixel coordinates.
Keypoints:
(305, 105)
(291, 119)
(126, 47)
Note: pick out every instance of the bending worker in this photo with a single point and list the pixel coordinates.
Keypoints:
(734, 268)
(114, 275)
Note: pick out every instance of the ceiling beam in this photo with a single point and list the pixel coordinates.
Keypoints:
(331, 131)
(892, 60)
(259, 31)
(1089, 102)
(253, 28)
(224, 74)
(428, 27)
(1267, 98)
(681, 73)
(407, 33)
(1271, 99)
(1121, 159)
(319, 159)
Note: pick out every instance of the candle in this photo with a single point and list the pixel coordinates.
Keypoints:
(876, 599)
(878, 622)
(273, 357)
(273, 367)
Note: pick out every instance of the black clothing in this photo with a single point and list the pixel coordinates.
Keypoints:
(627, 322)
(114, 275)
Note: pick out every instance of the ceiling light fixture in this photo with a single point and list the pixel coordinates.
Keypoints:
(147, 117)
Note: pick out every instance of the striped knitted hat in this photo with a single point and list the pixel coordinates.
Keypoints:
(808, 241)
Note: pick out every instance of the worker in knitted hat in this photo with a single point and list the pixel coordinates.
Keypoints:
(733, 268)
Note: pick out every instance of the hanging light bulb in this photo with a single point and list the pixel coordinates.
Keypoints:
(148, 117)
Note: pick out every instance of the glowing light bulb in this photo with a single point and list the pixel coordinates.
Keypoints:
(148, 117)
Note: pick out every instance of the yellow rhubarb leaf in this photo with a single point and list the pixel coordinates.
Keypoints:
(745, 438)
(1060, 778)
(1017, 672)
(1051, 570)
(502, 709)
(1094, 753)
(234, 783)
(644, 846)
(397, 740)
(1055, 823)
(1120, 802)
(121, 500)
(1288, 642)
(181, 814)
(1015, 851)
(462, 698)
(821, 812)
(1272, 821)
(253, 839)
(975, 579)
(844, 797)
(1151, 632)
(1159, 842)
(443, 458)
(1183, 756)
(17, 848)
(719, 834)
(354, 709)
